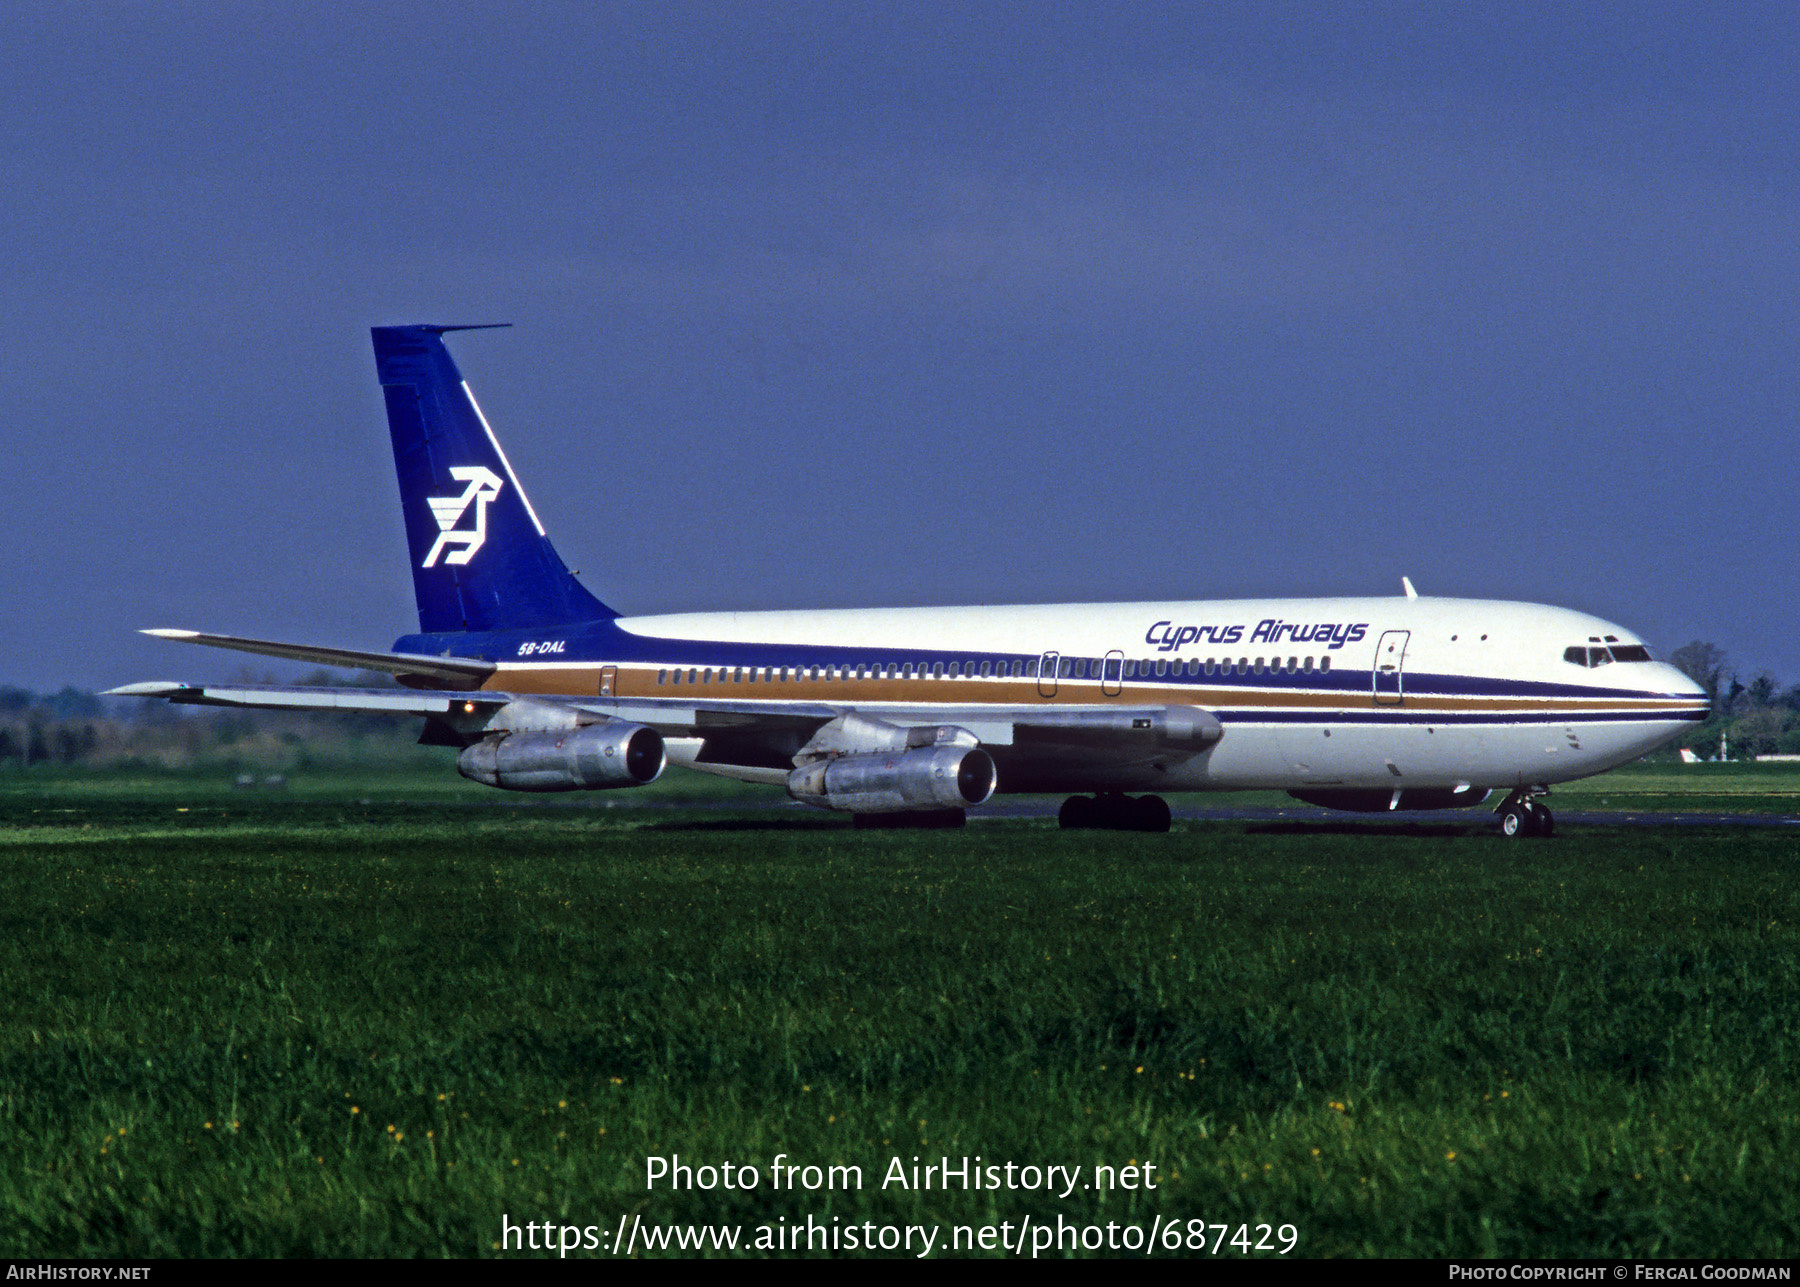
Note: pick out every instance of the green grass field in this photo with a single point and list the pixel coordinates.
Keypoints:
(364, 1017)
(1697, 788)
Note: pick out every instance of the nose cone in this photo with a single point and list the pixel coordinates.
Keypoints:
(1672, 682)
(1683, 705)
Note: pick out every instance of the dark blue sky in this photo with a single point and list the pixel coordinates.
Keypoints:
(862, 305)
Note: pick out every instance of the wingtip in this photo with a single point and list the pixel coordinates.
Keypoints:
(151, 688)
(165, 632)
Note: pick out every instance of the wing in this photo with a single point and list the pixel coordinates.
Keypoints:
(752, 735)
(1035, 747)
(276, 697)
(718, 733)
(474, 713)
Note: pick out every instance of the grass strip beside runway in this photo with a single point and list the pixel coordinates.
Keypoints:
(264, 1025)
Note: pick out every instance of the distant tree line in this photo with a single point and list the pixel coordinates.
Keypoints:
(72, 727)
(62, 727)
(1756, 718)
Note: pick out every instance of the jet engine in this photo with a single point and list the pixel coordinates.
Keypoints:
(594, 757)
(929, 778)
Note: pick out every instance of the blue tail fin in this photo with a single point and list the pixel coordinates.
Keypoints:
(480, 559)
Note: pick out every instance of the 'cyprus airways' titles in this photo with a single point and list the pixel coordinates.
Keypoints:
(1270, 630)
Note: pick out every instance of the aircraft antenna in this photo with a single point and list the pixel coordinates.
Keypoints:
(1406, 584)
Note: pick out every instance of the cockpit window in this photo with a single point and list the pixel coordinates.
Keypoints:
(1594, 655)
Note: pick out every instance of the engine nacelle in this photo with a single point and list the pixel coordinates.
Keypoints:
(595, 757)
(934, 778)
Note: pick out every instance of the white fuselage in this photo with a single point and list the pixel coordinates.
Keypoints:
(1364, 693)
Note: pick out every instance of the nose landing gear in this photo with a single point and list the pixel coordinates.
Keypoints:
(1110, 811)
(1522, 815)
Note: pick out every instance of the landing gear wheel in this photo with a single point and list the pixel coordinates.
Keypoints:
(1545, 820)
(1078, 813)
(1111, 811)
(1524, 814)
(1518, 819)
(1150, 813)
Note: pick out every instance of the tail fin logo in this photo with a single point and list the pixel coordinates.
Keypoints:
(483, 486)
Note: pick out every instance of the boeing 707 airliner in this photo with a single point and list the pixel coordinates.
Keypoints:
(913, 716)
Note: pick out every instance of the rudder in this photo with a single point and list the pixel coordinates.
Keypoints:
(480, 558)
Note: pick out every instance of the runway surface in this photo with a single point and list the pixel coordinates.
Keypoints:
(1475, 816)
(1309, 815)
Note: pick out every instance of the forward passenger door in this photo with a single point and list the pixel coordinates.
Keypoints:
(1390, 655)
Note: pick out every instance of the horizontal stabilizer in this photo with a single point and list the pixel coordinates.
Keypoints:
(460, 673)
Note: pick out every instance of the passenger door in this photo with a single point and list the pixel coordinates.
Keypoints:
(1390, 655)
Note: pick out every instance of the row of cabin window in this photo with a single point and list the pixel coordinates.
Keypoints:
(1242, 666)
(1069, 668)
(886, 670)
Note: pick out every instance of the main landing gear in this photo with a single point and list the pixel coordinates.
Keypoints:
(1110, 811)
(1522, 815)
